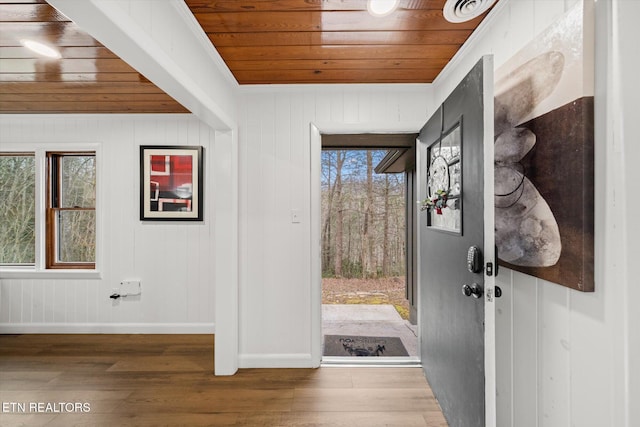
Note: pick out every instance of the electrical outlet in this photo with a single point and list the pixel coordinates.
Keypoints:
(130, 287)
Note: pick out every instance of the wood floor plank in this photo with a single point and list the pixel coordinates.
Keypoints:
(145, 420)
(152, 380)
(26, 420)
(294, 378)
(362, 400)
(27, 380)
(208, 401)
(379, 378)
(161, 363)
(350, 419)
(77, 364)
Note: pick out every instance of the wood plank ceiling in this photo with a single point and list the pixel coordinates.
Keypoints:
(261, 41)
(89, 78)
(331, 41)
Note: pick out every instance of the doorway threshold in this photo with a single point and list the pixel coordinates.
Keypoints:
(368, 362)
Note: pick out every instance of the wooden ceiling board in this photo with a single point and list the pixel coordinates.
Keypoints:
(55, 78)
(61, 33)
(337, 64)
(261, 22)
(307, 38)
(79, 87)
(76, 65)
(300, 5)
(85, 97)
(337, 52)
(88, 78)
(13, 52)
(34, 12)
(96, 106)
(334, 76)
(293, 41)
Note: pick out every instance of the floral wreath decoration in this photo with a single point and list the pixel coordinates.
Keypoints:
(438, 201)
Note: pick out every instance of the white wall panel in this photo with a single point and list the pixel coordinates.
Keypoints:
(175, 261)
(505, 361)
(525, 349)
(628, 62)
(275, 156)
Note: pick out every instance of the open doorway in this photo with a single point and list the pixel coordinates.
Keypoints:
(368, 288)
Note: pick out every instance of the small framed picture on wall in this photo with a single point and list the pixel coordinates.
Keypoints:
(171, 183)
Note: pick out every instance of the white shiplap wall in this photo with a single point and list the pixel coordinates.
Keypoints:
(176, 262)
(562, 355)
(274, 178)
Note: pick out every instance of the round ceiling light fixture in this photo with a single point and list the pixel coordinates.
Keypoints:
(381, 7)
(41, 48)
(465, 10)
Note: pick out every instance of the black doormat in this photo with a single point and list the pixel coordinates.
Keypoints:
(349, 345)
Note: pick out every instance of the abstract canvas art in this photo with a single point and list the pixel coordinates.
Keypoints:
(544, 166)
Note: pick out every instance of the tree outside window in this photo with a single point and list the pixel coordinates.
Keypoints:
(18, 209)
(71, 212)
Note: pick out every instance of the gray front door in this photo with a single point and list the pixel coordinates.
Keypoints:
(452, 322)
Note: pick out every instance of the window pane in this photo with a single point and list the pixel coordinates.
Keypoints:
(78, 182)
(76, 236)
(17, 209)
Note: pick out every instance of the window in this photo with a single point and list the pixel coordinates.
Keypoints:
(18, 213)
(47, 211)
(71, 210)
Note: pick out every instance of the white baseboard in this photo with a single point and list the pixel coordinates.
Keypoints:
(107, 328)
(293, 360)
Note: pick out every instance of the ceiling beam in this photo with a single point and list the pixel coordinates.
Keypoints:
(146, 42)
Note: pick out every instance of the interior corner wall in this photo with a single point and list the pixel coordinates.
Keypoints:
(565, 358)
(625, 175)
(274, 179)
(175, 261)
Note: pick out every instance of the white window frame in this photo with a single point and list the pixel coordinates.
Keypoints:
(39, 269)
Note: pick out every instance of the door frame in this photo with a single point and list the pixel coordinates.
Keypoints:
(490, 386)
(317, 129)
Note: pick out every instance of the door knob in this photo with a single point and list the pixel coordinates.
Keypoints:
(472, 290)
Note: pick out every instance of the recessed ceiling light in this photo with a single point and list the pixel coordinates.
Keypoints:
(41, 49)
(465, 10)
(381, 7)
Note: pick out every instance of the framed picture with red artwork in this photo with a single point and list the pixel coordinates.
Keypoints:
(171, 183)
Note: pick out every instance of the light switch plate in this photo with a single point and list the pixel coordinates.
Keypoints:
(295, 216)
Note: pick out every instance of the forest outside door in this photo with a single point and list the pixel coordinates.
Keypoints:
(455, 267)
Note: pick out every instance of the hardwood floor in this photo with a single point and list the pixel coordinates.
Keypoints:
(167, 380)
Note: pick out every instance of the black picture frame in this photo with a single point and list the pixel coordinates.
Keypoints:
(447, 150)
(171, 183)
